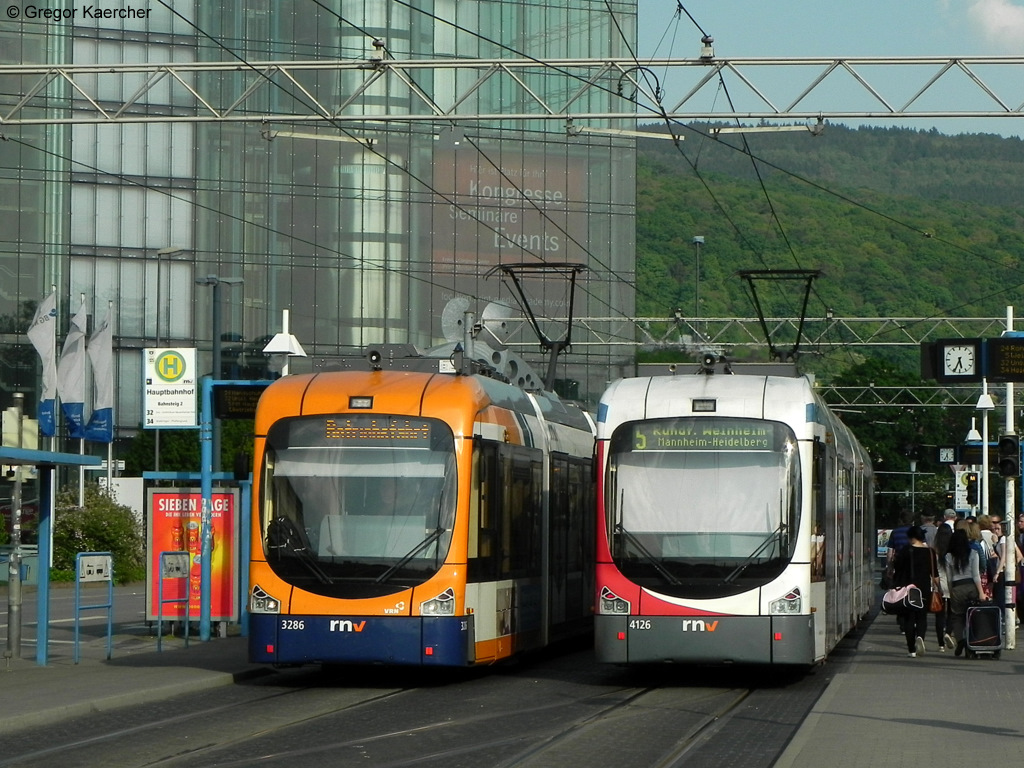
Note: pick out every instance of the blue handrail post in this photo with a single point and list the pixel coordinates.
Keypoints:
(206, 515)
(245, 531)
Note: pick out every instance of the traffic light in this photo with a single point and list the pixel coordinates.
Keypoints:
(972, 488)
(1009, 455)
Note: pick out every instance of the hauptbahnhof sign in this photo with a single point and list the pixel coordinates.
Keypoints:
(169, 388)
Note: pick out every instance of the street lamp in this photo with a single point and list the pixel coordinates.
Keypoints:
(283, 346)
(217, 281)
(206, 514)
(984, 405)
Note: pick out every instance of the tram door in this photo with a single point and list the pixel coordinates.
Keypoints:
(827, 520)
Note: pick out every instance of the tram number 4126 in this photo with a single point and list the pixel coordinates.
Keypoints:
(640, 624)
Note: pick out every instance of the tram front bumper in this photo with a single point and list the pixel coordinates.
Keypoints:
(704, 639)
(304, 639)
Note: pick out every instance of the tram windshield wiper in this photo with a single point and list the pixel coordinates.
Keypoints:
(433, 536)
(283, 534)
(772, 537)
(646, 555)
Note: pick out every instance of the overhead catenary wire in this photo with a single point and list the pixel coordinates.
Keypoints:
(412, 273)
(680, 8)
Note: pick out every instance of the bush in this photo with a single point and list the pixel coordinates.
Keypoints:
(102, 525)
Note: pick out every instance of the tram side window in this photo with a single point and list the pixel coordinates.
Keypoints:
(818, 534)
(569, 511)
(521, 521)
(508, 513)
(577, 512)
(483, 562)
(561, 548)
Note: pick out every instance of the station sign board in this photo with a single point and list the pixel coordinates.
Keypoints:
(169, 391)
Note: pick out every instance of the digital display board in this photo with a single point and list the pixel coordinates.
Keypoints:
(360, 430)
(703, 435)
(377, 430)
(1005, 358)
(236, 401)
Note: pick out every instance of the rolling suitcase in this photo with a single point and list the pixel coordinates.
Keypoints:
(983, 634)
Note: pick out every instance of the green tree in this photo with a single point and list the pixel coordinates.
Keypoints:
(894, 436)
(101, 525)
(179, 448)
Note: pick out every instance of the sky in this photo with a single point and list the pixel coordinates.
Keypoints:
(800, 28)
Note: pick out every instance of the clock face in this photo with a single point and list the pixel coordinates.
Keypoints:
(958, 360)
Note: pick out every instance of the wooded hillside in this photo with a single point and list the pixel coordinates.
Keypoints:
(900, 222)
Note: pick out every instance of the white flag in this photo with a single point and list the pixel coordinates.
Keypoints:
(101, 355)
(43, 335)
(71, 374)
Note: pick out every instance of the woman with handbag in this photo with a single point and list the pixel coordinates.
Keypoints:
(915, 565)
(964, 574)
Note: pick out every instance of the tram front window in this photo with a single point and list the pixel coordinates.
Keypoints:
(703, 507)
(357, 506)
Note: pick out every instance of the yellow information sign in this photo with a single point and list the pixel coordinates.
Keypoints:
(169, 388)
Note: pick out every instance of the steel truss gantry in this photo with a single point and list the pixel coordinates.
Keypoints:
(727, 334)
(452, 91)
(817, 334)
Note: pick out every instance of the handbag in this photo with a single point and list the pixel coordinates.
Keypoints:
(936, 605)
(900, 599)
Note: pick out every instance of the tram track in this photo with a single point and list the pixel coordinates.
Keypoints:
(234, 712)
(480, 724)
(551, 751)
(576, 740)
(560, 711)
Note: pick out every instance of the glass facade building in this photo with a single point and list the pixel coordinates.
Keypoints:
(363, 230)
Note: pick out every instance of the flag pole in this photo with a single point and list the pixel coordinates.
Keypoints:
(110, 443)
(81, 439)
(52, 438)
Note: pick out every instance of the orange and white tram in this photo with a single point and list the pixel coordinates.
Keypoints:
(413, 517)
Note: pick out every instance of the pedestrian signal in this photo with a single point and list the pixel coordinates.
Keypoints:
(1009, 455)
(972, 488)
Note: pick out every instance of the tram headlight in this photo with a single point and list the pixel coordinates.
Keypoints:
(261, 602)
(790, 604)
(442, 605)
(612, 604)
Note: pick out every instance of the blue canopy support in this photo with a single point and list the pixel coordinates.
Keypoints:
(46, 462)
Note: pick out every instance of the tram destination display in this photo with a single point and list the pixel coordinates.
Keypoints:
(705, 434)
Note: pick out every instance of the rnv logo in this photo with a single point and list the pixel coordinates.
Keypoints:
(699, 625)
(346, 625)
